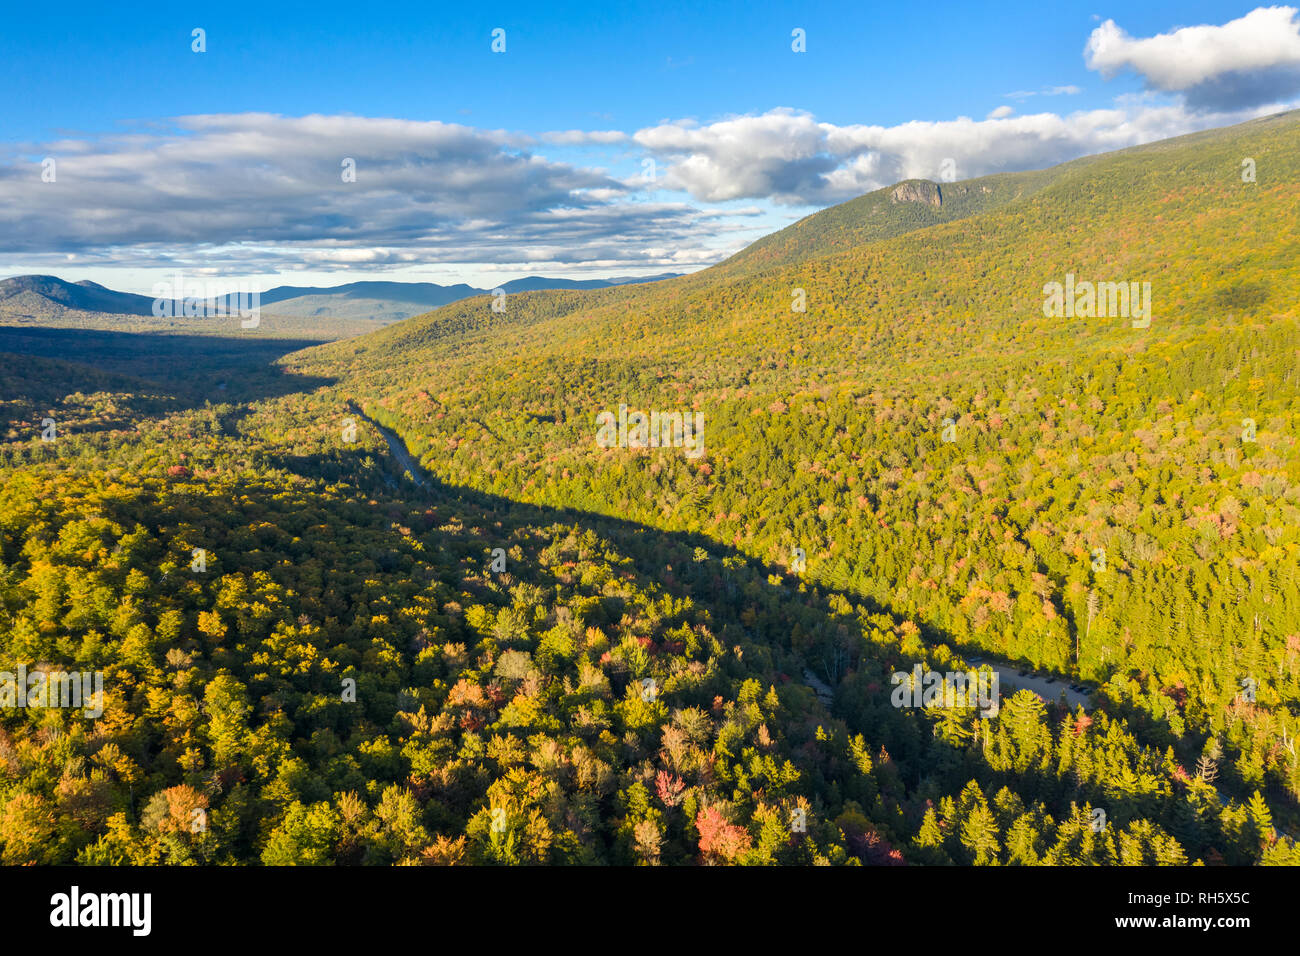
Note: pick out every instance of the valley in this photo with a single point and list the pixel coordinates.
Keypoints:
(923, 466)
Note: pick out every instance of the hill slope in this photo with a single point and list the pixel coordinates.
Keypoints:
(36, 293)
(1109, 503)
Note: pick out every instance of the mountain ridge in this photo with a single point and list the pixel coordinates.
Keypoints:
(366, 298)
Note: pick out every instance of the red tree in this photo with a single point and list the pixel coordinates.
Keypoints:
(720, 841)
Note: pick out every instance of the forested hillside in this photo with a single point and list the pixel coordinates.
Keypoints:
(558, 652)
(1117, 504)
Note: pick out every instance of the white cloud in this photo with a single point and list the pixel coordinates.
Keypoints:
(1070, 90)
(780, 154)
(234, 187)
(789, 158)
(1001, 112)
(1248, 61)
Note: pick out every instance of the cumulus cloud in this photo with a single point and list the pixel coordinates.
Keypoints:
(1252, 60)
(781, 154)
(273, 188)
(790, 158)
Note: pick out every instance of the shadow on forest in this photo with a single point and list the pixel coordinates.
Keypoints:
(193, 369)
(800, 618)
(782, 623)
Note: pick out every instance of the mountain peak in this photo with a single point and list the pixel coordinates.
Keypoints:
(918, 190)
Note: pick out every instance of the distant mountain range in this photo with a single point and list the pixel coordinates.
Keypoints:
(384, 301)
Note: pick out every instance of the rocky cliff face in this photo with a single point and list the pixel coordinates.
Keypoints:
(918, 190)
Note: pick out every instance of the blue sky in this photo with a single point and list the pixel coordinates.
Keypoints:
(606, 139)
